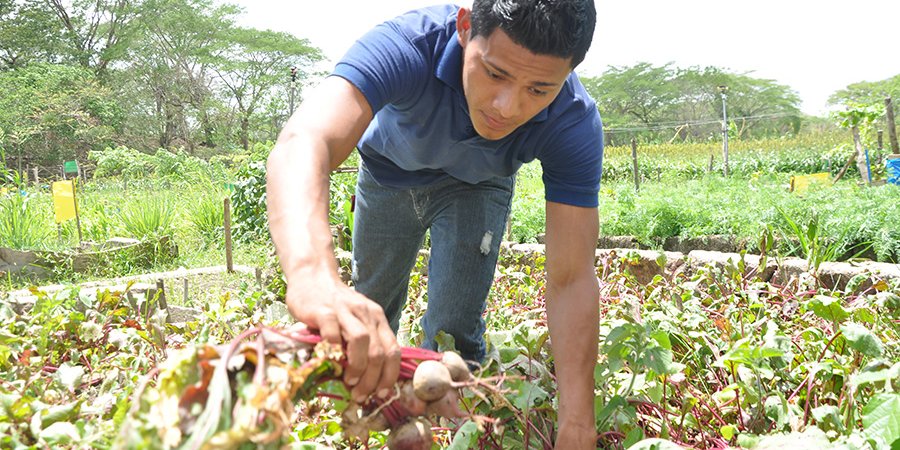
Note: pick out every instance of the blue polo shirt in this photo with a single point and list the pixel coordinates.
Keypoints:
(410, 71)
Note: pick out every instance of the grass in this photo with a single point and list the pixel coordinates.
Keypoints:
(684, 202)
(801, 154)
(191, 214)
(743, 207)
(20, 224)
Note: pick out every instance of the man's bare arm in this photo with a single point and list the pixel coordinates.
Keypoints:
(319, 136)
(573, 315)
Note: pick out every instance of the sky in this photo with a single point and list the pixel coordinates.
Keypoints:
(814, 47)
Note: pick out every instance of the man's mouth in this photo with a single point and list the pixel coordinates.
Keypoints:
(492, 122)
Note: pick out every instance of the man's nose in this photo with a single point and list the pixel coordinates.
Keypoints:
(506, 102)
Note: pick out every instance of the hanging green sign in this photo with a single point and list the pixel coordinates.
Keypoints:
(70, 166)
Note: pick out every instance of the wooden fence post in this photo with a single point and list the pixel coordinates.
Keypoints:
(634, 160)
(228, 264)
(892, 129)
(161, 290)
(37, 180)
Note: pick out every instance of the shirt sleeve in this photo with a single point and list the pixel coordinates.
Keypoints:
(573, 164)
(385, 65)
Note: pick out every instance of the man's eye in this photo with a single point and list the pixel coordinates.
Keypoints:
(538, 92)
(493, 75)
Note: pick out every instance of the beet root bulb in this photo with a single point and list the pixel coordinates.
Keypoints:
(412, 435)
(431, 380)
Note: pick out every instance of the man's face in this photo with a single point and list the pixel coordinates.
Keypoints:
(504, 83)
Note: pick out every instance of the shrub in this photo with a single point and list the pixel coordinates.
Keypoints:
(208, 218)
(23, 224)
(151, 217)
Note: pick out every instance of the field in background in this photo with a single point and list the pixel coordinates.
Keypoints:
(174, 194)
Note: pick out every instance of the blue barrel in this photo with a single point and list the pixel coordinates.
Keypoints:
(893, 170)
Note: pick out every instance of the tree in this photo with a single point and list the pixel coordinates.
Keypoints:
(867, 92)
(95, 31)
(757, 104)
(28, 32)
(640, 92)
(666, 102)
(171, 57)
(253, 63)
(52, 112)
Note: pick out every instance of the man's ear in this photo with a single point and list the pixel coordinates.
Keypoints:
(463, 25)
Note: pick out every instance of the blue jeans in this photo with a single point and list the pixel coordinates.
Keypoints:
(467, 222)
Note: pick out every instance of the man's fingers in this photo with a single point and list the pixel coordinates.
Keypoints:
(374, 363)
(356, 337)
(329, 327)
(391, 367)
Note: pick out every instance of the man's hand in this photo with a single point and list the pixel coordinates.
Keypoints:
(317, 138)
(344, 316)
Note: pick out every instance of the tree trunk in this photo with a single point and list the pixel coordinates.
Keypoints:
(245, 132)
(206, 124)
(892, 129)
(860, 154)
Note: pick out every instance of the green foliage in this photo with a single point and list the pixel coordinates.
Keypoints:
(814, 247)
(849, 218)
(248, 203)
(867, 92)
(55, 112)
(797, 155)
(28, 32)
(71, 340)
(208, 218)
(695, 360)
(24, 223)
(150, 217)
(666, 103)
(177, 166)
(342, 188)
(121, 161)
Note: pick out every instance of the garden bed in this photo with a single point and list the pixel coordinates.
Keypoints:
(42, 264)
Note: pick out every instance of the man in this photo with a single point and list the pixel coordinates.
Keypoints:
(444, 105)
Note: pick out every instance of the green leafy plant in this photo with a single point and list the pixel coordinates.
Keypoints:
(23, 223)
(148, 218)
(208, 218)
(248, 202)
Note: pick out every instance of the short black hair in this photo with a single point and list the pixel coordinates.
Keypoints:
(562, 28)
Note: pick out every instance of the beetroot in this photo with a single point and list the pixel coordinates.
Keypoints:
(459, 370)
(431, 380)
(446, 406)
(412, 435)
